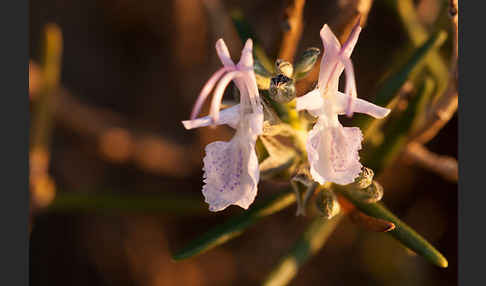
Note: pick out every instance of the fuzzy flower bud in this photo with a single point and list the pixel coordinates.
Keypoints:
(364, 179)
(284, 67)
(371, 194)
(306, 62)
(282, 88)
(327, 204)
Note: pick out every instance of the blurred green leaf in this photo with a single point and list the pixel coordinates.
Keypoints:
(312, 240)
(397, 134)
(396, 80)
(418, 35)
(263, 65)
(235, 226)
(402, 232)
(386, 95)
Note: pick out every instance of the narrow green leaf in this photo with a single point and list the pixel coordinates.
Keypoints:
(120, 203)
(235, 226)
(307, 246)
(387, 92)
(402, 232)
(397, 134)
(418, 34)
(263, 65)
(398, 78)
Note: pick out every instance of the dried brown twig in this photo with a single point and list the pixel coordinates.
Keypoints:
(118, 143)
(441, 112)
(445, 166)
(291, 36)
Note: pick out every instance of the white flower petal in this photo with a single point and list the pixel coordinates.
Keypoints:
(312, 102)
(333, 153)
(328, 77)
(229, 116)
(360, 106)
(223, 53)
(334, 60)
(231, 171)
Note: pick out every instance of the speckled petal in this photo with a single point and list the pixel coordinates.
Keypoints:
(333, 153)
(231, 171)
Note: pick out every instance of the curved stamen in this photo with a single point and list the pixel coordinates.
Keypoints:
(219, 92)
(207, 89)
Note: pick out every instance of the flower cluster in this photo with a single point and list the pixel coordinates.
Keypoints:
(231, 170)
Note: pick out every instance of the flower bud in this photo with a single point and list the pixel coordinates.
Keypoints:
(371, 194)
(282, 88)
(284, 67)
(327, 204)
(306, 62)
(364, 179)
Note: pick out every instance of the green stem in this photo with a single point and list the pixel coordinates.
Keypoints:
(307, 246)
(235, 226)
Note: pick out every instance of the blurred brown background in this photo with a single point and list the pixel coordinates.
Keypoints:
(141, 64)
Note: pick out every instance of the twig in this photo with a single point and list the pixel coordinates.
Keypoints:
(120, 144)
(351, 9)
(441, 112)
(41, 185)
(291, 36)
(443, 165)
(418, 35)
(454, 13)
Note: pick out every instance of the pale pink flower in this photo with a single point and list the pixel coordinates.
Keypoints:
(231, 171)
(333, 149)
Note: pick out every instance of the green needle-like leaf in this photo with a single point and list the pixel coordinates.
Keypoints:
(418, 34)
(235, 226)
(308, 245)
(397, 134)
(402, 232)
(391, 85)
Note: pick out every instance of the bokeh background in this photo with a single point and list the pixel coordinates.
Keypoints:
(131, 71)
